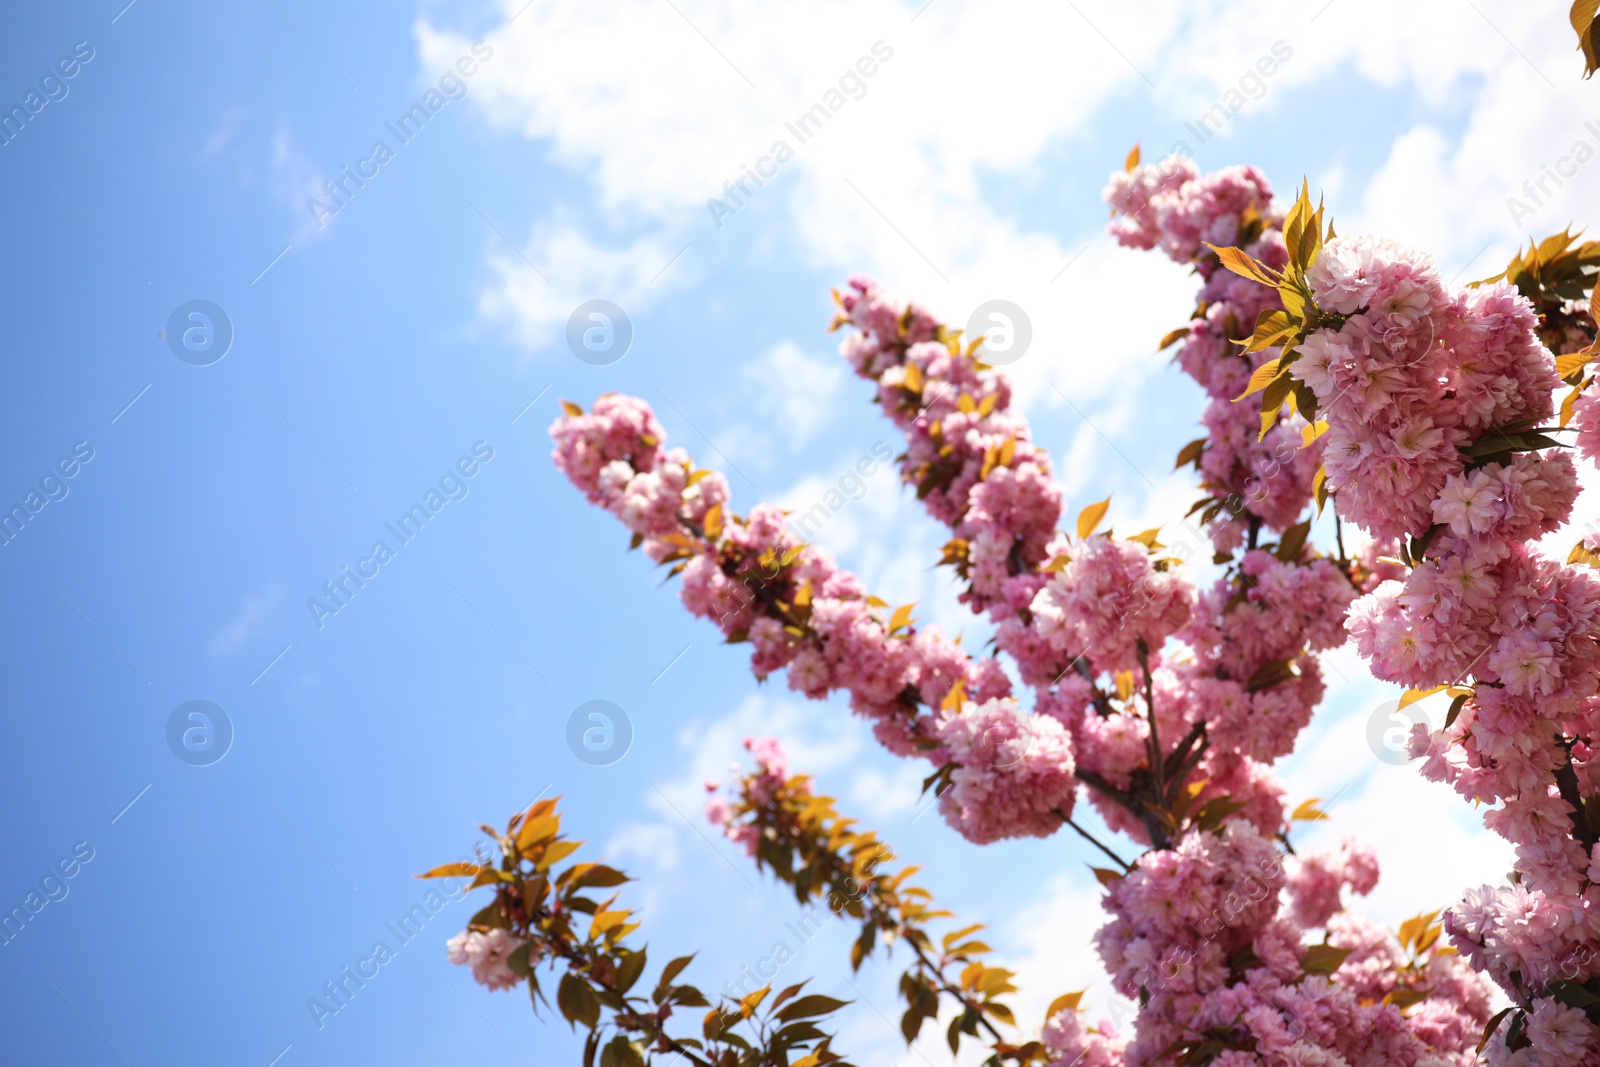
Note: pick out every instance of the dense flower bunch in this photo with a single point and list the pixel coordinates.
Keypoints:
(1433, 397)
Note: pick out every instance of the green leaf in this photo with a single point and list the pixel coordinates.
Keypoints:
(675, 968)
(619, 1052)
(689, 997)
(812, 1004)
(577, 1001)
(1573, 995)
(594, 874)
(783, 997)
(1493, 1024)
(1324, 959)
(1294, 539)
(1191, 451)
(629, 969)
(518, 963)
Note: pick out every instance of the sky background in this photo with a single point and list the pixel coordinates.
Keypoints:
(376, 345)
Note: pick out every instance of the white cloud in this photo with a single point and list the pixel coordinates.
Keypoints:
(222, 136)
(797, 389)
(890, 183)
(538, 285)
(293, 179)
(880, 795)
(249, 620)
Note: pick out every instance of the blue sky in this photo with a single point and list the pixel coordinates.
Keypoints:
(376, 346)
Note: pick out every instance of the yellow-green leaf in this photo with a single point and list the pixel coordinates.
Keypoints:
(1246, 266)
(555, 852)
(1261, 377)
(1570, 405)
(913, 377)
(1308, 811)
(535, 830)
(1172, 337)
(1274, 327)
(1405, 998)
(956, 935)
(1065, 1002)
(1583, 18)
(1411, 696)
(713, 523)
(451, 870)
(1572, 362)
(1090, 517)
(750, 1003)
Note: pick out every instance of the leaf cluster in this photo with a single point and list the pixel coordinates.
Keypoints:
(600, 970)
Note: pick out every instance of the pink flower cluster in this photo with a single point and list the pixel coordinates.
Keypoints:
(1254, 675)
(1428, 391)
(1107, 601)
(1072, 1044)
(1013, 772)
(1248, 674)
(1171, 206)
(1586, 420)
(1198, 931)
(614, 455)
(1317, 881)
(973, 462)
(759, 787)
(1256, 480)
(1415, 374)
(485, 951)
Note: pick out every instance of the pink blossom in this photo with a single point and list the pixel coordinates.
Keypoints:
(486, 952)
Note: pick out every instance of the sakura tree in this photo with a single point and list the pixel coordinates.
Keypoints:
(1340, 373)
